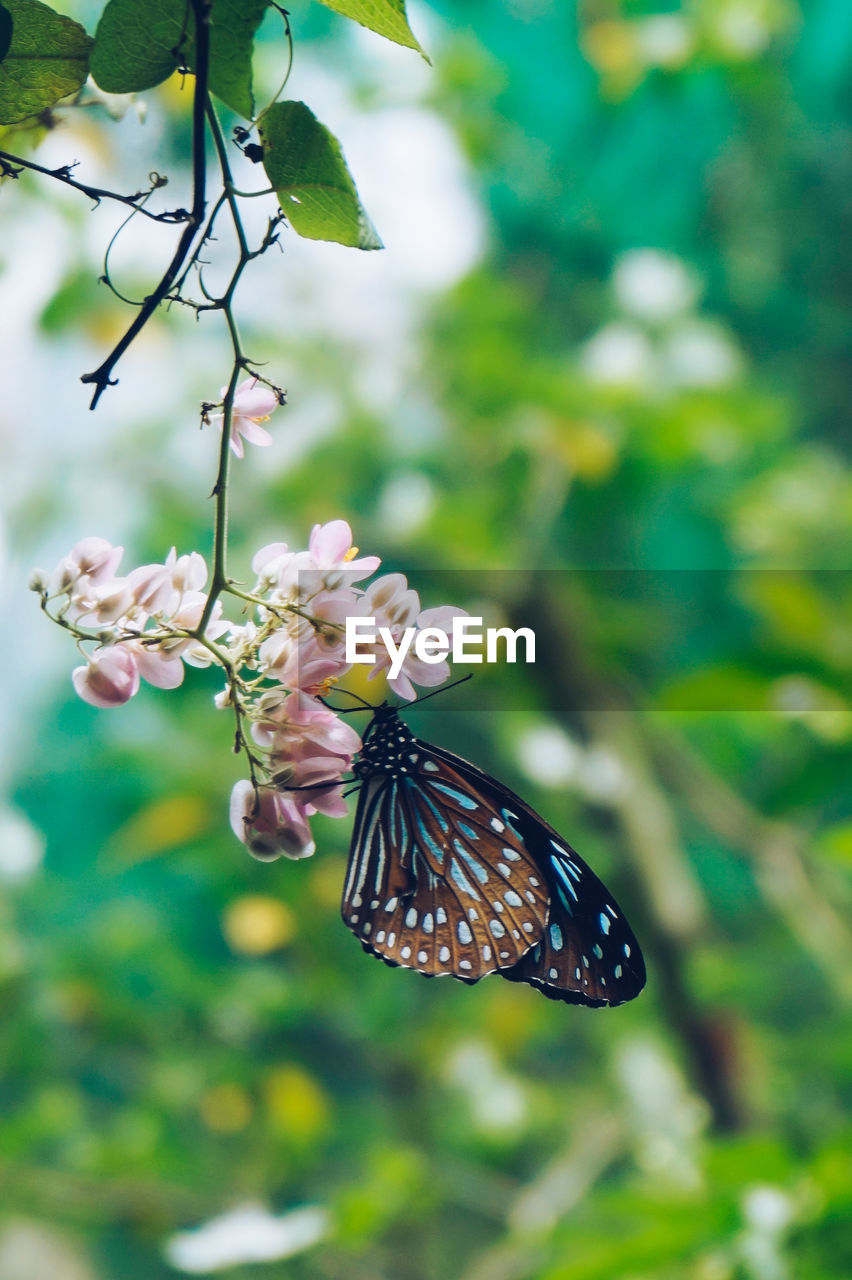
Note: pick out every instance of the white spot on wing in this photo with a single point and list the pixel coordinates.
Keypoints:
(465, 934)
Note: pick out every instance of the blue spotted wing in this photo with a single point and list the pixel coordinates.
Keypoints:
(437, 881)
(588, 953)
(450, 872)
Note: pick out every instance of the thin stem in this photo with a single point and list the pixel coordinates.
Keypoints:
(220, 488)
(101, 376)
(8, 163)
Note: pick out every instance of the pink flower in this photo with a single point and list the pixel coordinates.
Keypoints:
(269, 824)
(303, 778)
(297, 727)
(304, 664)
(95, 557)
(253, 403)
(90, 561)
(151, 585)
(188, 573)
(329, 564)
(187, 617)
(330, 547)
(156, 666)
(110, 678)
(97, 601)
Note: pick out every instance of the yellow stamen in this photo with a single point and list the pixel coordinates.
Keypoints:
(351, 553)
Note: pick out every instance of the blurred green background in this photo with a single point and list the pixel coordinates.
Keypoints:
(609, 331)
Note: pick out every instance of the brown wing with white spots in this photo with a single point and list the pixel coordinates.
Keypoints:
(438, 881)
(588, 954)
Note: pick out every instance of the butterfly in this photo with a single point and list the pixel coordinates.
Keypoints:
(452, 873)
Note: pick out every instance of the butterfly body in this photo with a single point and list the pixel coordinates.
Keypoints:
(451, 873)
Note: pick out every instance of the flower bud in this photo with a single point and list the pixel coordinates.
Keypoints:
(110, 678)
(269, 825)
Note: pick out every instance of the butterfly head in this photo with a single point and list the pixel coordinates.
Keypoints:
(387, 746)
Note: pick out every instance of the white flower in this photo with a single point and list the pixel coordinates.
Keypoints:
(249, 1233)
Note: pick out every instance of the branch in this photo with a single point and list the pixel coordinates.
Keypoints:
(101, 376)
(776, 850)
(672, 899)
(63, 175)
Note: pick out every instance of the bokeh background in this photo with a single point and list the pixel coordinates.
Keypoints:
(609, 332)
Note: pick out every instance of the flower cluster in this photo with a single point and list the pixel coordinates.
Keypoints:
(279, 660)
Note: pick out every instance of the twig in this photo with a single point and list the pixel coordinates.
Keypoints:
(101, 376)
(63, 174)
(776, 850)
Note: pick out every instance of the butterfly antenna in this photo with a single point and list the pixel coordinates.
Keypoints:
(348, 711)
(443, 689)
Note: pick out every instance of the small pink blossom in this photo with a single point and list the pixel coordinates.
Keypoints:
(95, 557)
(304, 778)
(270, 824)
(187, 618)
(188, 573)
(298, 726)
(98, 601)
(253, 403)
(109, 679)
(299, 664)
(152, 588)
(330, 563)
(90, 561)
(156, 666)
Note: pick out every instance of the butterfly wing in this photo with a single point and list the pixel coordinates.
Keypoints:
(587, 954)
(437, 879)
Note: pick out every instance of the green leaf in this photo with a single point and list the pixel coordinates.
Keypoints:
(46, 59)
(234, 24)
(386, 17)
(305, 165)
(5, 31)
(138, 46)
